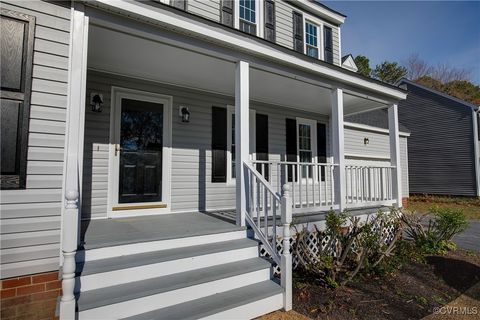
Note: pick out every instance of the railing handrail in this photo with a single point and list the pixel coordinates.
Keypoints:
(263, 236)
(265, 183)
(292, 162)
(368, 166)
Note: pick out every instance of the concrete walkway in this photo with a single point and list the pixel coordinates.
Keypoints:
(470, 238)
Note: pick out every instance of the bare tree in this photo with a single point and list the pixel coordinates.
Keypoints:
(417, 67)
(445, 73)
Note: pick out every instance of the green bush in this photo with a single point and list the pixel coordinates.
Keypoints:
(347, 246)
(436, 237)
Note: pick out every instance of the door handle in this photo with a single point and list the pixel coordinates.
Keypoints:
(117, 148)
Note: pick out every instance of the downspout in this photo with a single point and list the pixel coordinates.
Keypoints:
(476, 146)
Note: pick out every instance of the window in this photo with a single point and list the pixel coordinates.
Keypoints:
(247, 14)
(16, 79)
(306, 133)
(328, 44)
(311, 39)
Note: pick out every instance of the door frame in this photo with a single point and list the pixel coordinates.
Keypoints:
(138, 209)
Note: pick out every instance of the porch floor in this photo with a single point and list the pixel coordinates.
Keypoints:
(113, 232)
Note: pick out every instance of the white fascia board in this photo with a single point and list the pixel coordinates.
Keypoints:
(173, 21)
(321, 11)
(373, 129)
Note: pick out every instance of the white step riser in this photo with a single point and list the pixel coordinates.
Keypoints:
(134, 248)
(111, 278)
(165, 299)
(251, 310)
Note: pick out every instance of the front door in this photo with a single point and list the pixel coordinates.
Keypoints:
(139, 178)
(141, 144)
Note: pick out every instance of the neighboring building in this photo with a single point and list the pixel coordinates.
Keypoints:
(443, 154)
(131, 130)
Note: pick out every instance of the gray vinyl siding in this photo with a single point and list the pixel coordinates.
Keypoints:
(284, 24)
(191, 185)
(30, 218)
(441, 154)
(377, 152)
(336, 44)
(209, 9)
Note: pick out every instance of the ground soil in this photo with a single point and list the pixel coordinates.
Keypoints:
(410, 293)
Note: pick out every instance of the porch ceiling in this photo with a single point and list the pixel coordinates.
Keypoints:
(134, 56)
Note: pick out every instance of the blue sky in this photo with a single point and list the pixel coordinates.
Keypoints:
(439, 31)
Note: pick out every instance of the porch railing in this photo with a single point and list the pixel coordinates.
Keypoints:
(312, 184)
(265, 209)
(369, 185)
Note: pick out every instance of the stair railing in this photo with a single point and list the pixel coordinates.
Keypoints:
(263, 207)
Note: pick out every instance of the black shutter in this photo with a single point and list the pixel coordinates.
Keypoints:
(219, 144)
(179, 4)
(291, 143)
(270, 20)
(16, 80)
(322, 146)
(261, 142)
(328, 44)
(297, 32)
(227, 12)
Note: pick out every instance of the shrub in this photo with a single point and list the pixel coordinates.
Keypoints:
(347, 246)
(436, 237)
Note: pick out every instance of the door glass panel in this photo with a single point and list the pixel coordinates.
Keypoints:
(141, 142)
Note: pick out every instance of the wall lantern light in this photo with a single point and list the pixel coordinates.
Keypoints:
(96, 101)
(184, 114)
(366, 141)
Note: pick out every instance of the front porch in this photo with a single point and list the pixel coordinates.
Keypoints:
(133, 154)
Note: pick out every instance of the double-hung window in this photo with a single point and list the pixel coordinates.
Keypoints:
(306, 133)
(311, 39)
(247, 15)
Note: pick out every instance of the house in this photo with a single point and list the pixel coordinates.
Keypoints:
(443, 151)
(134, 132)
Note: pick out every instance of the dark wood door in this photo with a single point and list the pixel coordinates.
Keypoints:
(141, 142)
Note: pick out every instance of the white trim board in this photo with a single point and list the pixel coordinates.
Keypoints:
(118, 93)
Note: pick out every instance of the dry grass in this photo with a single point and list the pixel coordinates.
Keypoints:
(422, 204)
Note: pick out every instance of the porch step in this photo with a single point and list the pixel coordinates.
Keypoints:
(122, 249)
(143, 296)
(243, 303)
(101, 273)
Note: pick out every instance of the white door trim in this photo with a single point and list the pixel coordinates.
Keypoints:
(118, 93)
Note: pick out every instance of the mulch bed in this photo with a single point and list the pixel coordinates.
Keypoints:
(410, 293)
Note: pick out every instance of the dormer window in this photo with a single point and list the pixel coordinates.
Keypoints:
(247, 15)
(311, 39)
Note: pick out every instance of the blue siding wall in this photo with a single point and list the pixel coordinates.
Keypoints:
(441, 154)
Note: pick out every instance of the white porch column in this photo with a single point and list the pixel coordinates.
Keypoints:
(242, 139)
(338, 147)
(74, 132)
(395, 153)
